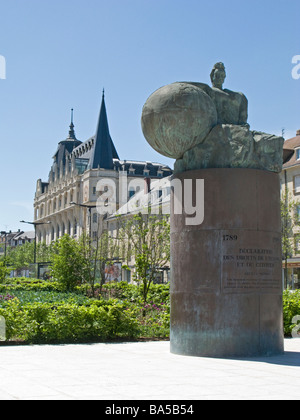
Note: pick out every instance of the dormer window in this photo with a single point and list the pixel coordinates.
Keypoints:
(131, 170)
(298, 154)
(146, 171)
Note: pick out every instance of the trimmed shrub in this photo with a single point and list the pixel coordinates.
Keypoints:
(291, 308)
(67, 323)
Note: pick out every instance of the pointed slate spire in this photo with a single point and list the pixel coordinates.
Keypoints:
(104, 150)
(71, 131)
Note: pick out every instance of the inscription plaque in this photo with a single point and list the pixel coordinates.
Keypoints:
(249, 267)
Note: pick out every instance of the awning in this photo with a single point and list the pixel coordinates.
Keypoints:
(292, 263)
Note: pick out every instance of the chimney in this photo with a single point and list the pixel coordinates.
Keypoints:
(298, 133)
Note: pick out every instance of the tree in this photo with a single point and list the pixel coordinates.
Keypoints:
(69, 264)
(107, 253)
(145, 239)
(22, 256)
(4, 270)
(98, 254)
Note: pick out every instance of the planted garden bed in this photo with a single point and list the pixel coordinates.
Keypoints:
(39, 312)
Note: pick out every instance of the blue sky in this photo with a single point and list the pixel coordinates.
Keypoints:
(60, 54)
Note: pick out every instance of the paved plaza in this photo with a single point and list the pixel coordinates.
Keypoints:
(143, 371)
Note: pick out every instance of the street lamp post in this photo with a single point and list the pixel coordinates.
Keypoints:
(90, 213)
(35, 224)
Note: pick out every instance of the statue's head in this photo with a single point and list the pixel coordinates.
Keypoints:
(218, 75)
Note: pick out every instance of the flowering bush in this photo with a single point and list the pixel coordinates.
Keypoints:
(6, 297)
(154, 319)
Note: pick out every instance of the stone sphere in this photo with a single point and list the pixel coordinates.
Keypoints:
(176, 117)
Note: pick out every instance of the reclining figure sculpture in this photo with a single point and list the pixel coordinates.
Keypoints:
(206, 127)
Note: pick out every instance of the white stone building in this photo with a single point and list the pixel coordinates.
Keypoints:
(83, 175)
(290, 183)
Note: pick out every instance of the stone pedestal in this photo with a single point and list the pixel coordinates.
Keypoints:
(226, 286)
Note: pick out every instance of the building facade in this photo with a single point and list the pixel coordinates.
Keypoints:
(86, 182)
(14, 239)
(153, 200)
(290, 193)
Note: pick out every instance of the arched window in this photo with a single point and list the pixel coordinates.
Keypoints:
(131, 192)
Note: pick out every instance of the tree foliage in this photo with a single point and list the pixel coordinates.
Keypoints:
(142, 240)
(69, 266)
(287, 225)
(4, 271)
(145, 240)
(22, 256)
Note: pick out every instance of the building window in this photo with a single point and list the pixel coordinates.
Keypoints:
(131, 192)
(298, 154)
(94, 190)
(297, 184)
(95, 218)
(128, 276)
(297, 213)
(75, 227)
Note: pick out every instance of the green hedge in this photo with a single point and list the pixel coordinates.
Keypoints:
(67, 323)
(291, 308)
(41, 312)
(30, 285)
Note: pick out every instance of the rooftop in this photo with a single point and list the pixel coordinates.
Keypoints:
(99, 152)
(289, 151)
